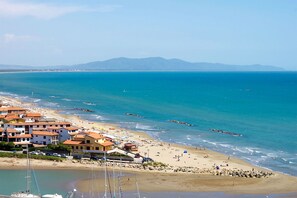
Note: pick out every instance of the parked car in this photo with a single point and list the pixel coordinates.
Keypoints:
(76, 157)
(64, 155)
(56, 155)
(147, 159)
(94, 158)
(48, 154)
(41, 153)
(137, 155)
(34, 153)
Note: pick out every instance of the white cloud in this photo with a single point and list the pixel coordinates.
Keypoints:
(46, 11)
(9, 38)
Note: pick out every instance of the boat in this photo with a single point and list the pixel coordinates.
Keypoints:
(27, 193)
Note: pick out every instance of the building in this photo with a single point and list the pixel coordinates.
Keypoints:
(32, 117)
(17, 137)
(130, 147)
(28, 127)
(7, 110)
(65, 133)
(45, 137)
(89, 142)
(1, 134)
(13, 118)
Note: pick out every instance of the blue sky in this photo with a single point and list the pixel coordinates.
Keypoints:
(56, 32)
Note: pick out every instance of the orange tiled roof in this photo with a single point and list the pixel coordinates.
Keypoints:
(33, 115)
(2, 116)
(12, 109)
(9, 118)
(11, 130)
(45, 133)
(40, 123)
(71, 128)
(55, 128)
(24, 136)
(94, 135)
(21, 136)
(106, 143)
(71, 142)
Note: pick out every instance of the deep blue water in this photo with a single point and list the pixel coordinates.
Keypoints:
(262, 107)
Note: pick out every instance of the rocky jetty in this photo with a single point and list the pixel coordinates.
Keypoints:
(226, 132)
(160, 167)
(181, 122)
(134, 115)
(83, 109)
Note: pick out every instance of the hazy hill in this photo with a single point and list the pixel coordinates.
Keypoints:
(148, 64)
(161, 64)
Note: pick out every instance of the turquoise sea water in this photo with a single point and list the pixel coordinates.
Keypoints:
(262, 107)
(47, 181)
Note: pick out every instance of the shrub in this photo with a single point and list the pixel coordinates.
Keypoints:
(42, 157)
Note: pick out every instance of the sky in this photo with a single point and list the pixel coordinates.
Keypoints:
(66, 32)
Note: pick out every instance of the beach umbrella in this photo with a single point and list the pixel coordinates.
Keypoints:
(185, 151)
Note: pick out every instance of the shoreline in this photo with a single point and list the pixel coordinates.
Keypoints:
(167, 153)
(151, 181)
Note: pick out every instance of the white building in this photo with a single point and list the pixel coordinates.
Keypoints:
(28, 127)
(45, 137)
(65, 133)
(17, 137)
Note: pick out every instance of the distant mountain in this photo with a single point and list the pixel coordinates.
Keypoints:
(149, 64)
(161, 64)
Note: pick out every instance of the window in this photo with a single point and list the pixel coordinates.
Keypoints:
(72, 147)
(77, 147)
(44, 137)
(36, 135)
(88, 148)
(97, 148)
(88, 141)
(24, 139)
(81, 147)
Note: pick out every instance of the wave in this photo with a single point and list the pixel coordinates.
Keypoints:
(98, 117)
(67, 99)
(144, 127)
(89, 103)
(8, 94)
(36, 100)
(188, 137)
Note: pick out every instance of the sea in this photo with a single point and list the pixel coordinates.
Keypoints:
(250, 115)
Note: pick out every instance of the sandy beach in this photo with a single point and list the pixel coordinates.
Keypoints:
(201, 162)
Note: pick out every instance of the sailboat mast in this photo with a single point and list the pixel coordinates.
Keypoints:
(105, 177)
(114, 182)
(137, 187)
(28, 172)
